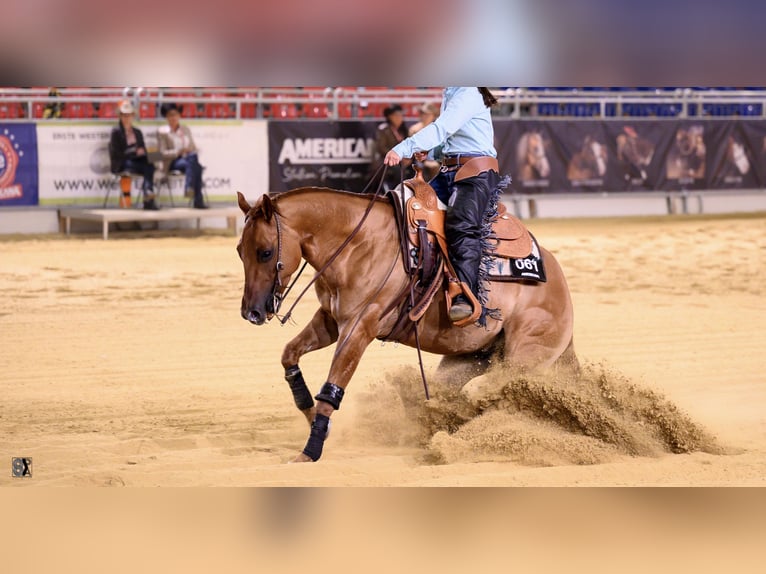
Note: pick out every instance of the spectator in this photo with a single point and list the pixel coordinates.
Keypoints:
(390, 133)
(428, 114)
(53, 109)
(180, 153)
(127, 152)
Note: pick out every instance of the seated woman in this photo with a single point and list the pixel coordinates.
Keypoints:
(127, 152)
(179, 152)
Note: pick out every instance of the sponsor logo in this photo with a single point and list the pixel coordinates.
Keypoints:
(325, 150)
(9, 162)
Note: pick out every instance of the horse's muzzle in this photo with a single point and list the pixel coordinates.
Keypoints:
(255, 316)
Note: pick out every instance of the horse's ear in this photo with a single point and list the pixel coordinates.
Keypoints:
(243, 204)
(267, 206)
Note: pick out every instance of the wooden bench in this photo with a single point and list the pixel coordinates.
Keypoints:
(107, 216)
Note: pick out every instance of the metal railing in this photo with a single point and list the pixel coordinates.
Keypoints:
(18, 104)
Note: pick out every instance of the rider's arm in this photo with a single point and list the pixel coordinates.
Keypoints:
(464, 105)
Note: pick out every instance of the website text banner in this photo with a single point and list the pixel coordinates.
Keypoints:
(74, 159)
(323, 154)
(18, 164)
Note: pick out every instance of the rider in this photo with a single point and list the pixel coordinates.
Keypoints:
(463, 132)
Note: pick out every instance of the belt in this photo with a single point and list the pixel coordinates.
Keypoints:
(459, 159)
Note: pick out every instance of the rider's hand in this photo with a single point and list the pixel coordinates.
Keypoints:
(392, 158)
(420, 155)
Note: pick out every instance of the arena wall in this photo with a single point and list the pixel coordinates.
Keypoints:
(61, 163)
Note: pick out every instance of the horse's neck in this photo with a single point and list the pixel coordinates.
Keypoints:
(323, 221)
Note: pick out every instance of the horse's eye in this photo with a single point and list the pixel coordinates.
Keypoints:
(265, 255)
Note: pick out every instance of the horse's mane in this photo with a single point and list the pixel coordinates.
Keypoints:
(276, 197)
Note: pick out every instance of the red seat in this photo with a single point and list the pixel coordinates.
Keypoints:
(218, 110)
(188, 110)
(147, 110)
(372, 110)
(316, 110)
(11, 110)
(345, 110)
(108, 110)
(38, 109)
(77, 110)
(283, 111)
(248, 111)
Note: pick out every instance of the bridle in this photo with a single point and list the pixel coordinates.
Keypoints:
(278, 294)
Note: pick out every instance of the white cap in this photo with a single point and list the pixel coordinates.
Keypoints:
(126, 107)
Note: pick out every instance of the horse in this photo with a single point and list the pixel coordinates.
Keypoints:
(634, 154)
(589, 162)
(737, 161)
(356, 286)
(686, 157)
(531, 159)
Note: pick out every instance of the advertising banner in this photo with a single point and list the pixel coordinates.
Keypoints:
(18, 164)
(632, 155)
(74, 159)
(323, 154)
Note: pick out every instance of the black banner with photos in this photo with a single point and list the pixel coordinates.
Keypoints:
(548, 156)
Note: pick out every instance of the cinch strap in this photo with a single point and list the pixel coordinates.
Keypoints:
(332, 394)
(301, 393)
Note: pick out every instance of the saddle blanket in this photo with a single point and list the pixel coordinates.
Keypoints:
(529, 268)
(514, 254)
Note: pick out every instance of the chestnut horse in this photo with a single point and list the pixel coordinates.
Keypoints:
(357, 287)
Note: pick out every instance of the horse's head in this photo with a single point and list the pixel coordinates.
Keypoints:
(269, 253)
(531, 152)
(595, 154)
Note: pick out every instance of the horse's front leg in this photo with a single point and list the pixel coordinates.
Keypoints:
(354, 338)
(321, 332)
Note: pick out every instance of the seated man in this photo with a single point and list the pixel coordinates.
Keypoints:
(127, 152)
(179, 152)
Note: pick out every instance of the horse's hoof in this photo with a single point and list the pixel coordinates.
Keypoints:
(300, 458)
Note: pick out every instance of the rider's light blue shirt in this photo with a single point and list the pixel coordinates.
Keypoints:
(464, 126)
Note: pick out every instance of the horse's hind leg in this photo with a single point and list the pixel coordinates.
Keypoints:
(457, 370)
(568, 359)
(321, 332)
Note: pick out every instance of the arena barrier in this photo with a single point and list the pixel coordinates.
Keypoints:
(665, 166)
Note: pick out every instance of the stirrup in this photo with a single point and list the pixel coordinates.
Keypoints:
(460, 311)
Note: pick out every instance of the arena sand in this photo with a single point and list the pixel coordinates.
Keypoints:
(126, 363)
